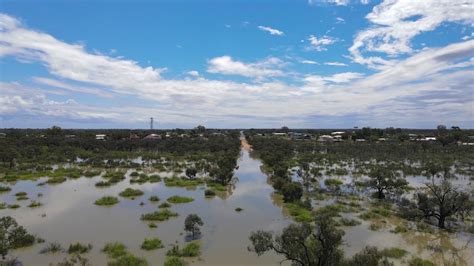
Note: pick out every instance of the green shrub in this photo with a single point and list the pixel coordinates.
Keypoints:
(34, 204)
(4, 189)
(375, 227)
(238, 209)
(56, 180)
(21, 194)
(151, 244)
(22, 198)
(190, 250)
(209, 193)
(164, 205)
(154, 178)
(152, 225)
(114, 249)
(13, 206)
(349, 222)
(399, 229)
(154, 198)
(52, 248)
(179, 199)
(103, 184)
(130, 192)
(174, 261)
(395, 253)
(107, 201)
(128, 260)
(79, 248)
(420, 262)
(162, 215)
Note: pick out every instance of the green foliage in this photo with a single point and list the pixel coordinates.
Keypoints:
(162, 215)
(164, 205)
(151, 244)
(303, 244)
(154, 199)
(21, 194)
(292, 192)
(349, 222)
(180, 182)
(128, 260)
(174, 261)
(396, 253)
(179, 199)
(299, 213)
(52, 248)
(56, 180)
(209, 193)
(190, 250)
(107, 201)
(13, 236)
(238, 209)
(34, 204)
(130, 193)
(114, 249)
(79, 248)
(4, 189)
(192, 224)
(420, 262)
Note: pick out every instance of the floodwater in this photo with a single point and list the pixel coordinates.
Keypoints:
(71, 216)
(68, 215)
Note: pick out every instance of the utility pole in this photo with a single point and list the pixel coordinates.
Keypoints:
(151, 123)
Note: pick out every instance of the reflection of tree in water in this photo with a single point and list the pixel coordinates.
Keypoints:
(444, 249)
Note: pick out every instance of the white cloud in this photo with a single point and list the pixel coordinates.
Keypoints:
(340, 20)
(193, 73)
(395, 23)
(319, 44)
(335, 2)
(335, 64)
(261, 69)
(430, 85)
(272, 31)
(309, 62)
(69, 87)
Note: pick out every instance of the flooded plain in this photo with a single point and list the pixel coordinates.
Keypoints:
(68, 215)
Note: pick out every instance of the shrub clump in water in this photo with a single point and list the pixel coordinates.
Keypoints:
(179, 199)
(52, 248)
(162, 215)
(106, 201)
(79, 248)
(151, 244)
(130, 193)
(190, 250)
(154, 199)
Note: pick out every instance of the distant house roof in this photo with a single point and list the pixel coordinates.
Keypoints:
(100, 136)
(152, 137)
(338, 133)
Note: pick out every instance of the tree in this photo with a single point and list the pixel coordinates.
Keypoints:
(192, 224)
(385, 180)
(442, 201)
(432, 169)
(191, 173)
(13, 236)
(304, 172)
(292, 191)
(369, 256)
(303, 244)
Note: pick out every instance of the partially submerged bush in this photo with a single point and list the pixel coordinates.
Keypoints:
(114, 249)
(238, 209)
(174, 261)
(52, 248)
(209, 193)
(107, 201)
(164, 205)
(349, 222)
(162, 215)
(130, 192)
(420, 262)
(151, 244)
(79, 248)
(190, 250)
(179, 199)
(154, 199)
(4, 189)
(21, 194)
(34, 204)
(121, 256)
(56, 180)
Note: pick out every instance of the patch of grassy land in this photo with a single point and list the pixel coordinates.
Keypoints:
(151, 244)
(106, 201)
(130, 192)
(162, 215)
(181, 182)
(190, 250)
(396, 253)
(179, 199)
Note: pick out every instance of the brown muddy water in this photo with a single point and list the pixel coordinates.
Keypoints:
(68, 215)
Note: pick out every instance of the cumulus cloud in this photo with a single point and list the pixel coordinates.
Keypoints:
(431, 84)
(335, 64)
(319, 44)
(270, 30)
(261, 69)
(309, 62)
(395, 23)
(334, 2)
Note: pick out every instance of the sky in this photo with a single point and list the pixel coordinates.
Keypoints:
(237, 64)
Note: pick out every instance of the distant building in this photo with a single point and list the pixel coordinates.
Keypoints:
(325, 138)
(133, 137)
(2, 135)
(278, 134)
(338, 133)
(70, 136)
(152, 137)
(360, 140)
(100, 136)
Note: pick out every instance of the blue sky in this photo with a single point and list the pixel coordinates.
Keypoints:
(236, 64)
